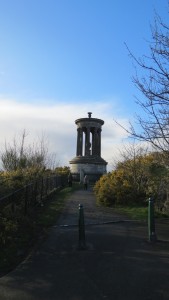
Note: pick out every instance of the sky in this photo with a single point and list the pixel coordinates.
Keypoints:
(60, 59)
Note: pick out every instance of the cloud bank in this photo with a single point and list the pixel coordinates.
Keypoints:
(56, 121)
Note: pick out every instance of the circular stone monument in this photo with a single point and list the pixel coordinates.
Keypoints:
(88, 153)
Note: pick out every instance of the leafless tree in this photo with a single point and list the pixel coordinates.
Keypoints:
(154, 88)
(21, 155)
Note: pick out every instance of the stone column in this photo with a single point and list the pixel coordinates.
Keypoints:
(94, 141)
(78, 138)
(79, 142)
(92, 147)
(87, 142)
(99, 142)
(96, 151)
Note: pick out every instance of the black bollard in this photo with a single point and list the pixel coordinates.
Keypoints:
(82, 242)
(151, 221)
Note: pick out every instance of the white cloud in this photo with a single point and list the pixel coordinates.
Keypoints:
(56, 121)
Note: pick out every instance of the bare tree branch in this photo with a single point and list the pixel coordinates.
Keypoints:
(154, 87)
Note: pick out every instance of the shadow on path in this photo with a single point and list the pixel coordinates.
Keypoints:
(118, 263)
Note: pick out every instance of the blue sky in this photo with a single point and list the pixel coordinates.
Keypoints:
(60, 59)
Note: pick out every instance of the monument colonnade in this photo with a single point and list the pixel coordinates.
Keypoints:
(88, 141)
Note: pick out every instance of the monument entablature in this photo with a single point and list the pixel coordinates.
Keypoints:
(89, 122)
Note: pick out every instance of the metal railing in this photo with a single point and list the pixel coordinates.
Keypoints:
(30, 196)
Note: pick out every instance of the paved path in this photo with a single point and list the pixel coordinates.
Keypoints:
(118, 263)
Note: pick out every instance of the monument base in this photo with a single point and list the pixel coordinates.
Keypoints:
(94, 167)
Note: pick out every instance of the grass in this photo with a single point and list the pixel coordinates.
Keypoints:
(138, 213)
(24, 235)
(51, 211)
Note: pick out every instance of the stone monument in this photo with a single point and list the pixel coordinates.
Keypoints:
(88, 153)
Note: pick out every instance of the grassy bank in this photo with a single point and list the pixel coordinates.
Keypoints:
(138, 213)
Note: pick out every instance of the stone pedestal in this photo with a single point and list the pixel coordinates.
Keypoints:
(88, 152)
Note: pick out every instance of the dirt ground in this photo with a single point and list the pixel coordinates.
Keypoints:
(117, 263)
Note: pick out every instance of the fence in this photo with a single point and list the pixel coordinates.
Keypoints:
(30, 196)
